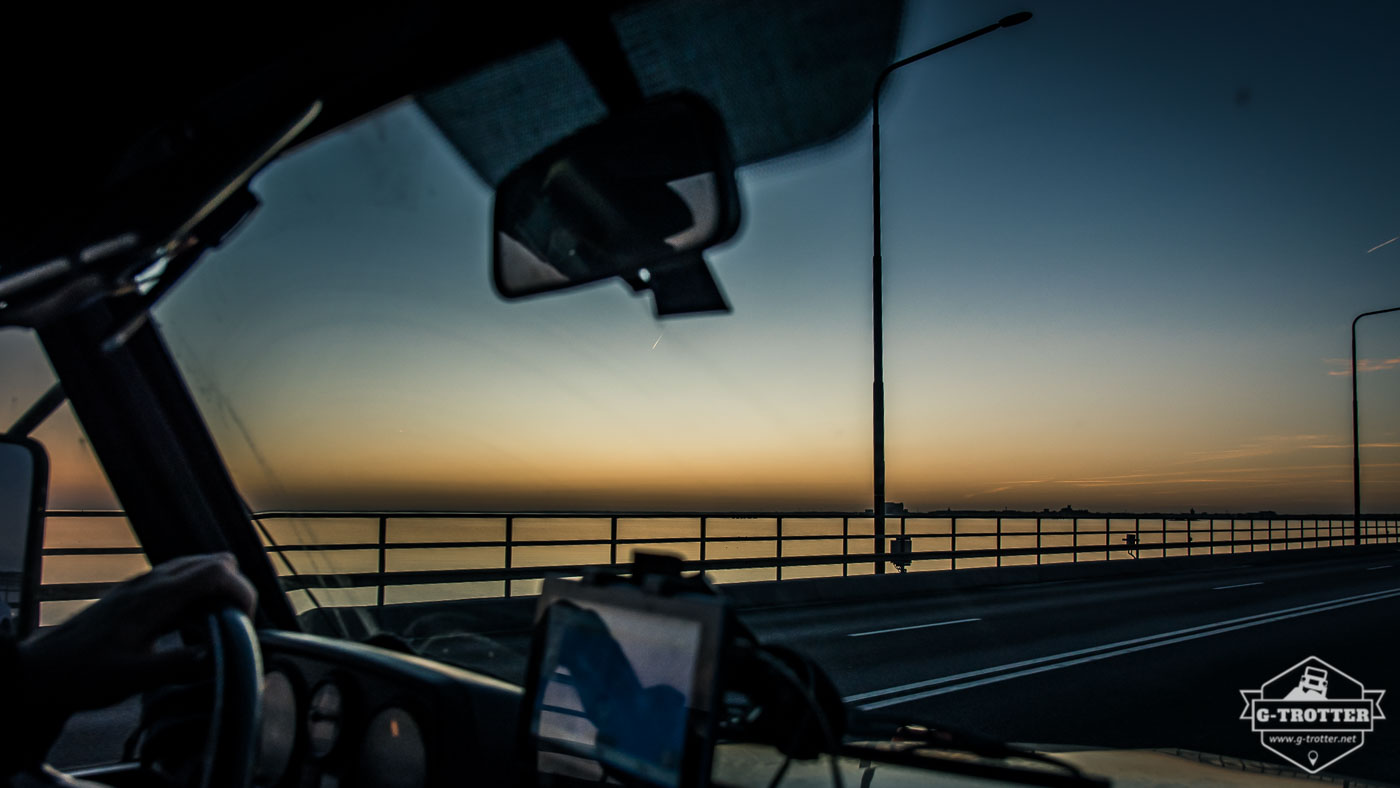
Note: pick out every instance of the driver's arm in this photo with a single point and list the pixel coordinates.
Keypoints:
(106, 652)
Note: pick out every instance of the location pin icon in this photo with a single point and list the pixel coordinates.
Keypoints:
(1312, 757)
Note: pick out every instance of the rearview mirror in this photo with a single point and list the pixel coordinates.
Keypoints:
(24, 484)
(638, 196)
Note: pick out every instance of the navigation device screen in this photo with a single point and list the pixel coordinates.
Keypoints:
(614, 693)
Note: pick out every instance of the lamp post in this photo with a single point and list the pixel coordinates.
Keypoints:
(877, 272)
(1356, 433)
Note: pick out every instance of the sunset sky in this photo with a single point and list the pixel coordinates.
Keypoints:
(1123, 248)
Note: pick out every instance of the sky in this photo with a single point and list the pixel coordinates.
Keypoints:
(1123, 245)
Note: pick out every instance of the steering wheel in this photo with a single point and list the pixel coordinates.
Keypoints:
(231, 749)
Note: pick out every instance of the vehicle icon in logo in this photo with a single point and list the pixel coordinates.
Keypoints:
(1313, 685)
(1312, 714)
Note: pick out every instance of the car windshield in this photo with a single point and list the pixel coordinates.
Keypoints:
(1123, 246)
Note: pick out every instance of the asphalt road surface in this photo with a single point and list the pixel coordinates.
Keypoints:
(1153, 661)
(1131, 662)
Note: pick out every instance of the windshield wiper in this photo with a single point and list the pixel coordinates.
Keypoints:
(923, 737)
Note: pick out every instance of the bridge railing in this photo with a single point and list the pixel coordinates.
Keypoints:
(379, 558)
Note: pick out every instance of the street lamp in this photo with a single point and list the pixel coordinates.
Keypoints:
(878, 274)
(1356, 433)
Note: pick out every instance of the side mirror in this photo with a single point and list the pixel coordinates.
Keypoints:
(24, 487)
(638, 196)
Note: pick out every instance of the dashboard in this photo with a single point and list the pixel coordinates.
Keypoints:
(338, 714)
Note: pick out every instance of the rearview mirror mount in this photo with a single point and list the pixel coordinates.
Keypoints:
(638, 196)
(24, 484)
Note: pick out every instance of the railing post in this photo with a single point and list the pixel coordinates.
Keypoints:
(779, 566)
(702, 538)
(1074, 526)
(383, 542)
(1232, 536)
(1211, 537)
(953, 541)
(1107, 535)
(998, 541)
(612, 541)
(845, 546)
(1037, 541)
(1164, 537)
(1137, 537)
(510, 533)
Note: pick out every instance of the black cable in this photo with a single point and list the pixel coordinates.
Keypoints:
(942, 737)
(833, 747)
(42, 408)
(282, 556)
(782, 770)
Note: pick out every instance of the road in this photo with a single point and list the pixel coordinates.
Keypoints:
(1146, 661)
(1154, 661)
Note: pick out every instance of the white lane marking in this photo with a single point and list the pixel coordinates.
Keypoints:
(1106, 646)
(906, 629)
(1374, 568)
(880, 704)
(1238, 585)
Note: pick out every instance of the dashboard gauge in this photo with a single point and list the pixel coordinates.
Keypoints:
(279, 728)
(392, 754)
(324, 717)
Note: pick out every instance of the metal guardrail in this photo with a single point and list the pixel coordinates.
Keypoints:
(748, 544)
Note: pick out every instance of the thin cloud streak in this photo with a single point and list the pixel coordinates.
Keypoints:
(1263, 447)
(1348, 446)
(1364, 365)
(1387, 243)
(1012, 485)
(1271, 476)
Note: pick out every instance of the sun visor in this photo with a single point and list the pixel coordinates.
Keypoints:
(784, 75)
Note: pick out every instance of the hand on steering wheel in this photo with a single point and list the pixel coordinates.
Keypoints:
(107, 653)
